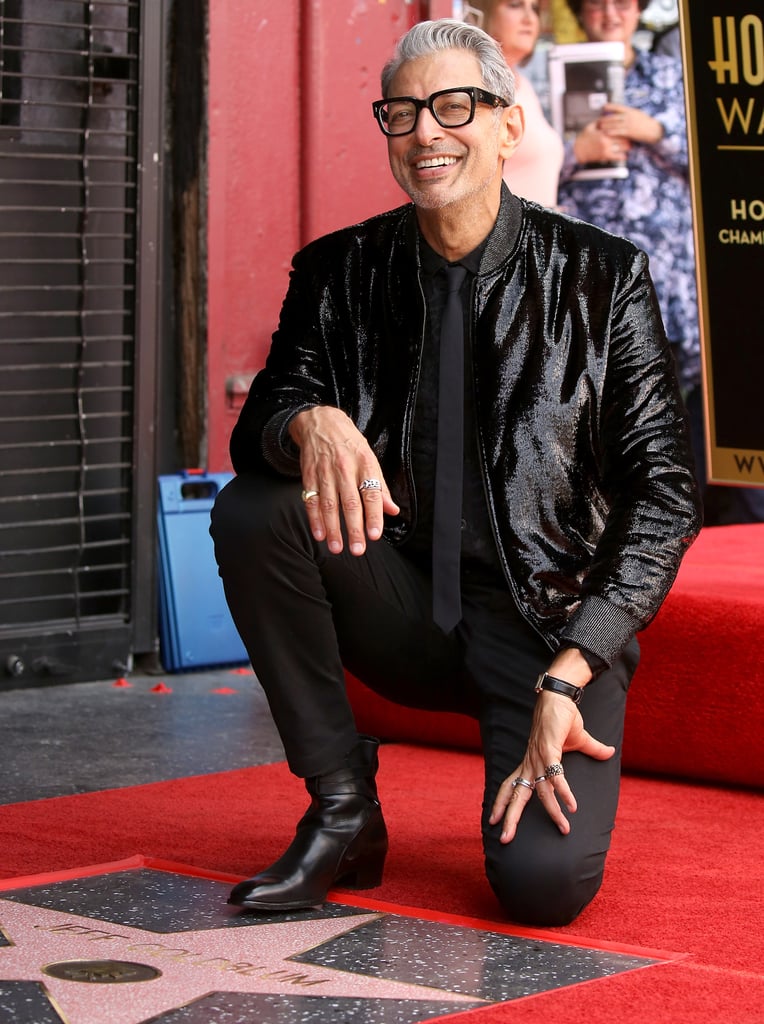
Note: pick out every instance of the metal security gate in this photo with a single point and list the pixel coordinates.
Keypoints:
(80, 184)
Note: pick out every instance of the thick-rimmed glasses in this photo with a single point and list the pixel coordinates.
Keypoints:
(598, 6)
(451, 108)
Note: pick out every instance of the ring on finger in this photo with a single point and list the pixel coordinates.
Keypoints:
(540, 778)
(370, 485)
(554, 769)
(524, 782)
(307, 495)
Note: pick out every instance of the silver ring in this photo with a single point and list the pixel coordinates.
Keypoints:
(524, 782)
(307, 495)
(370, 485)
(540, 778)
(554, 769)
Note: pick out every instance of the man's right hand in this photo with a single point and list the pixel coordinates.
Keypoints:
(335, 459)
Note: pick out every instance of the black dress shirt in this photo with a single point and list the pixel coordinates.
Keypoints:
(480, 559)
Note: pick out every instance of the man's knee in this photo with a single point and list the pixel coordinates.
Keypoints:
(247, 511)
(546, 887)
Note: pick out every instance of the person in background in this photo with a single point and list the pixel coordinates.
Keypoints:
(534, 170)
(463, 475)
(652, 207)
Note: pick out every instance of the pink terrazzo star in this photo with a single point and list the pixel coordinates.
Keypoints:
(193, 963)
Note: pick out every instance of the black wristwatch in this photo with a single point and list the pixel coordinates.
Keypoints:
(555, 685)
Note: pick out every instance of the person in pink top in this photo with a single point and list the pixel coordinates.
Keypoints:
(534, 170)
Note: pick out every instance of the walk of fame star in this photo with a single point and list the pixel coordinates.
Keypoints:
(256, 959)
(142, 945)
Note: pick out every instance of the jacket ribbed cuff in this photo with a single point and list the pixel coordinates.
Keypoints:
(279, 450)
(601, 627)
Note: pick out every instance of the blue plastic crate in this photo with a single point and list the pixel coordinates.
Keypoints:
(195, 627)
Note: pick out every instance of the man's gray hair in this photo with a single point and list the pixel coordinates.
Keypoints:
(428, 37)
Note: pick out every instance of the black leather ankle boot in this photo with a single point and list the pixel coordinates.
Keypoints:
(341, 839)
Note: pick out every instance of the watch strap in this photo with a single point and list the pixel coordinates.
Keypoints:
(555, 685)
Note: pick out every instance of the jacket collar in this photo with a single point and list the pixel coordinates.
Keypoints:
(504, 234)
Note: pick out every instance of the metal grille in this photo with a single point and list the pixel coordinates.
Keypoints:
(69, 77)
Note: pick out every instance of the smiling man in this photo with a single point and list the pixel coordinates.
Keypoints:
(463, 475)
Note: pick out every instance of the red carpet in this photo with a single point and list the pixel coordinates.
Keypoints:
(685, 872)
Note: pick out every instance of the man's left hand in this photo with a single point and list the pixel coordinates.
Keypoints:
(556, 729)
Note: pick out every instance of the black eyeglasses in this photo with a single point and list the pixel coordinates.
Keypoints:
(451, 108)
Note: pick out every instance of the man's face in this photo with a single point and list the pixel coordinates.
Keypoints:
(438, 166)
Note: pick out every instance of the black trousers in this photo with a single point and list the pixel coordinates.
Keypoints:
(305, 616)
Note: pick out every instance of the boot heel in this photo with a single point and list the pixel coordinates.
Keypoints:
(363, 862)
(366, 875)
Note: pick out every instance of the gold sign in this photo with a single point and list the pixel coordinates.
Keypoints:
(723, 46)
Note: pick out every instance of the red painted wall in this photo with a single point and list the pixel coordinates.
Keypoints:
(293, 153)
(253, 191)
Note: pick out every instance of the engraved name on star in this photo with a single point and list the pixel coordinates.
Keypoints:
(251, 959)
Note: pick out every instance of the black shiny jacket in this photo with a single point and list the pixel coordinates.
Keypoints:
(584, 446)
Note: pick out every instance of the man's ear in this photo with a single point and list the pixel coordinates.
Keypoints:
(512, 128)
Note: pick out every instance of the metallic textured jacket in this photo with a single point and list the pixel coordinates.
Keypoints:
(583, 440)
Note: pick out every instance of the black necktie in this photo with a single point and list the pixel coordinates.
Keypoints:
(447, 515)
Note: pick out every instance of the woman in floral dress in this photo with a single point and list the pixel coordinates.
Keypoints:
(652, 206)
